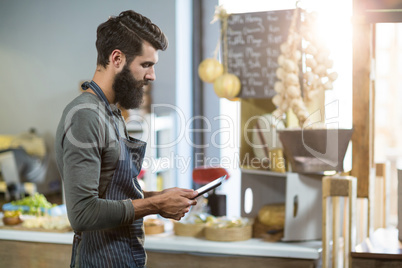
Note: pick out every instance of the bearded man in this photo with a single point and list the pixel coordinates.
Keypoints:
(97, 159)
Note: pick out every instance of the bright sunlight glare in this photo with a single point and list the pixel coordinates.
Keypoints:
(335, 28)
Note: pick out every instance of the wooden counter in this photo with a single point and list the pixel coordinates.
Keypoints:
(382, 249)
(46, 249)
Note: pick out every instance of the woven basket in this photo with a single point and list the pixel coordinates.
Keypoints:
(156, 229)
(189, 229)
(229, 234)
(154, 226)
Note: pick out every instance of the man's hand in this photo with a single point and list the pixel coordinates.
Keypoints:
(172, 203)
(176, 202)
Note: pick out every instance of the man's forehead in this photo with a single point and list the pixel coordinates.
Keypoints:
(149, 54)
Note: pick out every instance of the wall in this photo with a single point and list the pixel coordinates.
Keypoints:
(48, 47)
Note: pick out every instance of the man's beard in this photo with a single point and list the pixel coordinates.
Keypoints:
(128, 91)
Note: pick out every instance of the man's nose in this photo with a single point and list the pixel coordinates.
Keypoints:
(150, 75)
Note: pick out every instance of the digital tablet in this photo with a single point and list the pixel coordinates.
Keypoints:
(212, 185)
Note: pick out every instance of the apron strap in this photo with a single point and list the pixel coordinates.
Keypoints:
(76, 242)
(98, 91)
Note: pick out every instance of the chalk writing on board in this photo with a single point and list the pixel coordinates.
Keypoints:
(254, 41)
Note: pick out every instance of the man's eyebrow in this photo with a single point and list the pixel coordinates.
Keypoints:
(148, 63)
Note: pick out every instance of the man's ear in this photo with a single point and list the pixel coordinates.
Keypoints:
(117, 59)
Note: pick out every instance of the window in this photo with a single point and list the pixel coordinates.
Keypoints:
(336, 29)
(388, 114)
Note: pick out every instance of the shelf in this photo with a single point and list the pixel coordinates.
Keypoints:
(263, 172)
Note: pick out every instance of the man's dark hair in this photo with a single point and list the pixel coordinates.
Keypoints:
(127, 32)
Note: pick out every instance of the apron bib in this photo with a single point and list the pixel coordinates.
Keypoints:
(121, 246)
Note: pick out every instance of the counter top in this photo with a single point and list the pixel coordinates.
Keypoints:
(382, 244)
(169, 242)
(381, 249)
(251, 247)
(35, 236)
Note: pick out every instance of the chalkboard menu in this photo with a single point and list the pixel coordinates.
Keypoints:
(254, 41)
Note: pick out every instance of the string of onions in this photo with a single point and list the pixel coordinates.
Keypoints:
(210, 70)
(316, 77)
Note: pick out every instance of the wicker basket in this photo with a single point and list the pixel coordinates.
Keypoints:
(189, 229)
(229, 234)
(150, 230)
(154, 226)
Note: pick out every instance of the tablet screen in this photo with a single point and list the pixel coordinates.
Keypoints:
(212, 185)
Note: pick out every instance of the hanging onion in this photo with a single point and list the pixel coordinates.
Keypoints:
(289, 66)
(209, 70)
(292, 79)
(227, 86)
(333, 76)
(278, 87)
(293, 91)
(277, 100)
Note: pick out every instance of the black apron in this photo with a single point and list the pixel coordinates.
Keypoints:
(121, 246)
